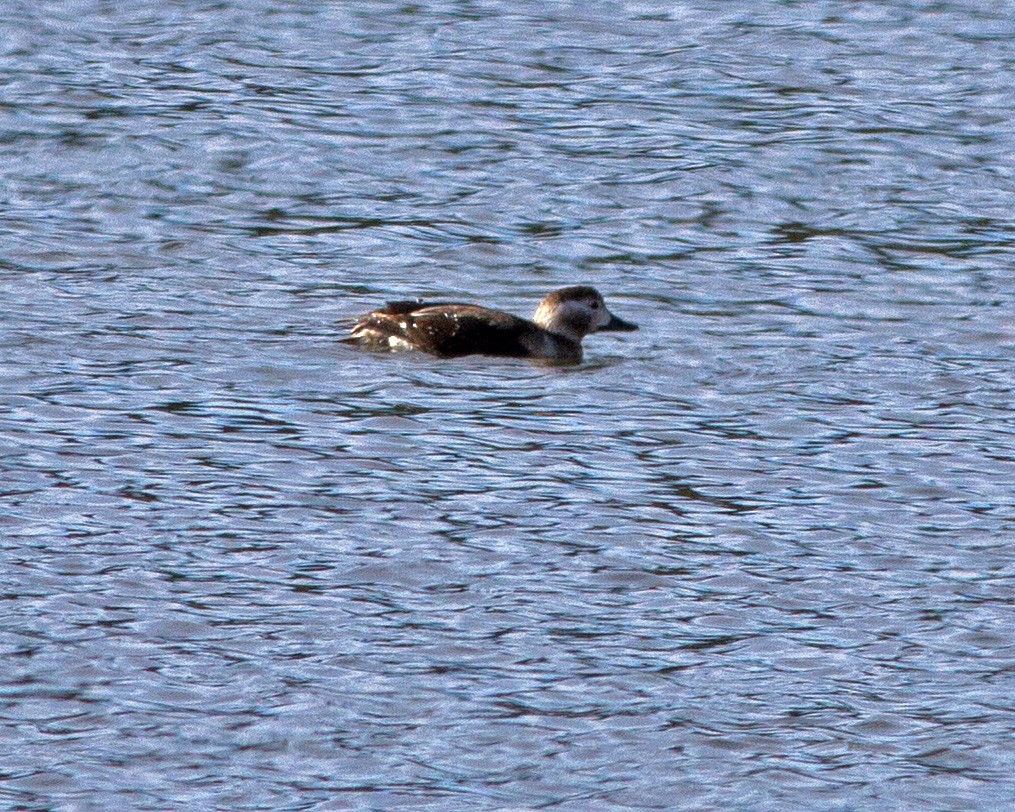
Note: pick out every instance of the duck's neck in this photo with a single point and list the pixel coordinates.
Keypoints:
(554, 348)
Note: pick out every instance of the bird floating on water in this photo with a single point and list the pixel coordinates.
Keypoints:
(452, 329)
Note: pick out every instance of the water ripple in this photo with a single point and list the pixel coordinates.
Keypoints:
(754, 556)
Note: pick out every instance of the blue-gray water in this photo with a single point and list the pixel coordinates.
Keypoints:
(759, 555)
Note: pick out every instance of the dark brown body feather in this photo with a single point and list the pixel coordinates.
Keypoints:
(450, 329)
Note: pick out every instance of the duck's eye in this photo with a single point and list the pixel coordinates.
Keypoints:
(595, 305)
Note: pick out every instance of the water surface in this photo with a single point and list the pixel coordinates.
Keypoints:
(757, 555)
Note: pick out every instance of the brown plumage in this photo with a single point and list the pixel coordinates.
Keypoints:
(452, 329)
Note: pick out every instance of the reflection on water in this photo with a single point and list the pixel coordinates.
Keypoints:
(756, 555)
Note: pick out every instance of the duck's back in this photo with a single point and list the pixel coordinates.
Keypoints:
(447, 329)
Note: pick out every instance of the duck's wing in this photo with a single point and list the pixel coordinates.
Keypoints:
(447, 329)
(451, 330)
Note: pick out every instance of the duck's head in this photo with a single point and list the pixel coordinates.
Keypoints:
(577, 311)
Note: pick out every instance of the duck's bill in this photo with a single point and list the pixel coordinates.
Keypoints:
(617, 323)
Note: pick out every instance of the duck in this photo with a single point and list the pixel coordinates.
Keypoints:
(452, 329)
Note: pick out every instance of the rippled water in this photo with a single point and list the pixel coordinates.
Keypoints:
(758, 555)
